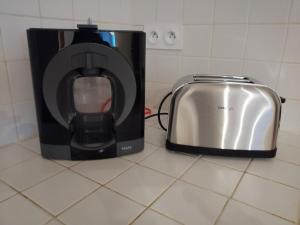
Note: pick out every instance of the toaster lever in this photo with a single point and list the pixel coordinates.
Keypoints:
(282, 99)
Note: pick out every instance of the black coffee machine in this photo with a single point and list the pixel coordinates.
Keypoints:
(89, 88)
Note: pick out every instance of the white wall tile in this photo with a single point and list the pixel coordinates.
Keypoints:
(119, 26)
(126, 6)
(117, 11)
(231, 11)
(20, 7)
(4, 85)
(54, 23)
(289, 81)
(155, 92)
(226, 66)
(197, 40)
(13, 31)
(8, 132)
(1, 47)
(20, 80)
(169, 11)
(57, 8)
(26, 119)
(229, 41)
(295, 12)
(292, 50)
(265, 42)
(198, 11)
(167, 69)
(191, 65)
(269, 11)
(85, 9)
(143, 11)
(265, 72)
(290, 116)
(150, 66)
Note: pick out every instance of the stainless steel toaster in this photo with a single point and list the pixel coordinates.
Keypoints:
(223, 115)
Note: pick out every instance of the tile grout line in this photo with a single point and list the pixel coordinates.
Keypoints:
(233, 192)
(175, 53)
(77, 201)
(131, 24)
(163, 192)
(123, 172)
(288, 162)
(290, 145)
(223, 165)
(212, 33)
(9, 81)
(273, 181)
(39, 206)
(287, 27)
(252, 206)
(41, 181)
(263, 210)
(24, 196)
(138, 163)
(246, 38)
(142, 159)
(102, 184)
(25, 160)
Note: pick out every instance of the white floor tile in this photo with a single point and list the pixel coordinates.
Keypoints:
(237, 213)
(288, 153)
(269, 196)
(12, 155)
(151, 217)
(102, 207)
(67, 163)
(211, 176)
(141, 184)
(150, 122)
(54, 222)
(273, 169)
(32, 144)
(164, 121)
(155, 136)
(104, 170)
(61, 191)
(190, 205)
(289, 138)
(30, 172)
(19, 211)
(234, 163)
(171, 163)
(5, 192)
(136, 157)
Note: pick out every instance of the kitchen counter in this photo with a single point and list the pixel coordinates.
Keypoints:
(152, 187)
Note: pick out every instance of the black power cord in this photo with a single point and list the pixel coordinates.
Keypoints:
(159, 109)
(159, 113)
(152, 115)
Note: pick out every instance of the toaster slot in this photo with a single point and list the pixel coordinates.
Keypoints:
(222, 80)
(220, 77)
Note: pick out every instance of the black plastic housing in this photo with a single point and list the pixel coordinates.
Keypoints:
(56, 140)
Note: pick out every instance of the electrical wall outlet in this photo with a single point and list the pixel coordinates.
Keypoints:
(163, 36)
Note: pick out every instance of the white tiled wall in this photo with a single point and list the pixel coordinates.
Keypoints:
(17, 112)
(258, 38)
